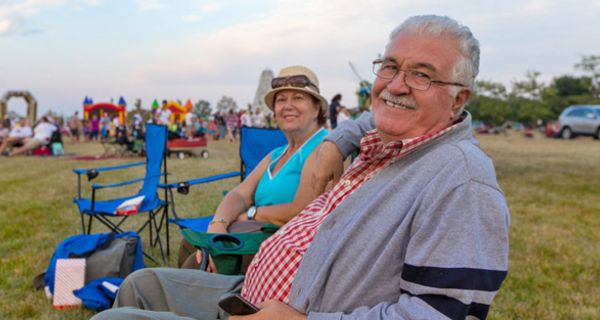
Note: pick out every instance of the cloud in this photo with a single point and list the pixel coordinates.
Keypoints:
(534, 7)
(202, 11)
(290, 33)
(6, 25)
(15, 14)
(191, 18)
(211, 7)
(149, 5)
(321, 34)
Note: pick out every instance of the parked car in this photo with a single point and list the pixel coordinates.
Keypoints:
(580, 120)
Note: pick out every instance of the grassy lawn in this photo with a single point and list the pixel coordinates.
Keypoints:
(552, 187)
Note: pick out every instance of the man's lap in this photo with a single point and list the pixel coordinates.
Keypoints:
(171, 294)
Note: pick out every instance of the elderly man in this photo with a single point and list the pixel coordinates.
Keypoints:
(415, 229)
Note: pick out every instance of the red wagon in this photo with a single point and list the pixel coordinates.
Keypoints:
(191, 147)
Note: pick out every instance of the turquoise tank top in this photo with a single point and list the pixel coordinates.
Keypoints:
(282, 187)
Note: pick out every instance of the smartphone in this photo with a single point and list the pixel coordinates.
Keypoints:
(235, 305)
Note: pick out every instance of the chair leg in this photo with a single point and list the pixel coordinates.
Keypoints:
(154, 226)
(166, 217)
(82, 223)
(164, 221)
(90, 220)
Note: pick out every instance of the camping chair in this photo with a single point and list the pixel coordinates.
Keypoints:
(255, 144)
(105, 210)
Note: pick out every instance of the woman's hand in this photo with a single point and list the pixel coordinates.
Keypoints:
(217, 227)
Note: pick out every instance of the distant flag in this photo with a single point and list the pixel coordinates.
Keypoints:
(155, 104)
(122, 101)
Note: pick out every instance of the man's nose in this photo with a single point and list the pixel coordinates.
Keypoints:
(398, 84)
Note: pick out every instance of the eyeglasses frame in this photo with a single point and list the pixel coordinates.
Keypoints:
(439, 82)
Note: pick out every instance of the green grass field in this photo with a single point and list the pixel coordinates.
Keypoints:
(552, 187)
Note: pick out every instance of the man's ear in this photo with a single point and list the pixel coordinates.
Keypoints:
(461, 98)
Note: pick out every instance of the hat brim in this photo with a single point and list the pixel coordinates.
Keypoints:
(270, 96)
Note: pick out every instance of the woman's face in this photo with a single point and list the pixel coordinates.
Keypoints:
(295, 111)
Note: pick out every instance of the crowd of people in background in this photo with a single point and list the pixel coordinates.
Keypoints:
(103, 127)
(18, 136)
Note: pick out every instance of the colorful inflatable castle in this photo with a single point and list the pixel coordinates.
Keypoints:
(90, 108)
(177, 110)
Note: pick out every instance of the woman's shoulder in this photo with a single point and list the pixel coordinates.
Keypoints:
(314, 141)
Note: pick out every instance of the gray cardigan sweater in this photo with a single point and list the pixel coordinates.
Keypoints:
(425, 238)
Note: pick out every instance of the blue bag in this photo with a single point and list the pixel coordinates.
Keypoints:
(106, 254)
(96, 295)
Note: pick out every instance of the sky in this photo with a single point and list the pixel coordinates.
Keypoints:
(64, 50)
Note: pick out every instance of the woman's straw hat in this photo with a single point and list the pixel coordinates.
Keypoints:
(295, 71)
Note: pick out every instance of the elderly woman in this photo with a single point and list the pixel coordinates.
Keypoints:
(277, 189)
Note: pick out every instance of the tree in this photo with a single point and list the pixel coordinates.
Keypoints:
(530, 88)
(591, 65)
(225, 104)
(526, 99)
(490, 89)
(201, 108)
(488, 103)
(571, 86)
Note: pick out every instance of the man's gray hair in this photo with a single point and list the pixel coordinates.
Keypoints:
(467, 67)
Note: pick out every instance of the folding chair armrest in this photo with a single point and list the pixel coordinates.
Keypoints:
(123, 166)
(200, 180)
(96, 186)
(183, 186)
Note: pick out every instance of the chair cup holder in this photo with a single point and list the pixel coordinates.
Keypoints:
(92, 174)
(226, 242)
(183, 188)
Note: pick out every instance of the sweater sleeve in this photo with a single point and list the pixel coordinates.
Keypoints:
(348, 134)
(456, 259)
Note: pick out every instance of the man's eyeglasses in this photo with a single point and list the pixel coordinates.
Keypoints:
(298, 81)
(417, 80)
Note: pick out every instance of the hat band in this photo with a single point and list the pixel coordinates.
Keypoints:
(297, 81)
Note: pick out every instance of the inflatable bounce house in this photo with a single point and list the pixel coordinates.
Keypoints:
(90, 108)
(364, 95)
(177, 110)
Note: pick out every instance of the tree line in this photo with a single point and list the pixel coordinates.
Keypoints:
(531, 101)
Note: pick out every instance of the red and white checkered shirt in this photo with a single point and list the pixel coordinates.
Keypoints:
(271, 273)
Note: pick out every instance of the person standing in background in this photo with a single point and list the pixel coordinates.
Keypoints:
(75, 127)
(333, 110)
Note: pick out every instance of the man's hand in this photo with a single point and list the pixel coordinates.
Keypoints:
(273, 310)
(213, 228)
(328, 168)
(211, 264)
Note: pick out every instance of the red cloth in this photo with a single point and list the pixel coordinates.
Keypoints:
(42, 151)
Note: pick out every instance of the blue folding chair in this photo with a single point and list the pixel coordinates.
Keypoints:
(157, 209)
(255, 144)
